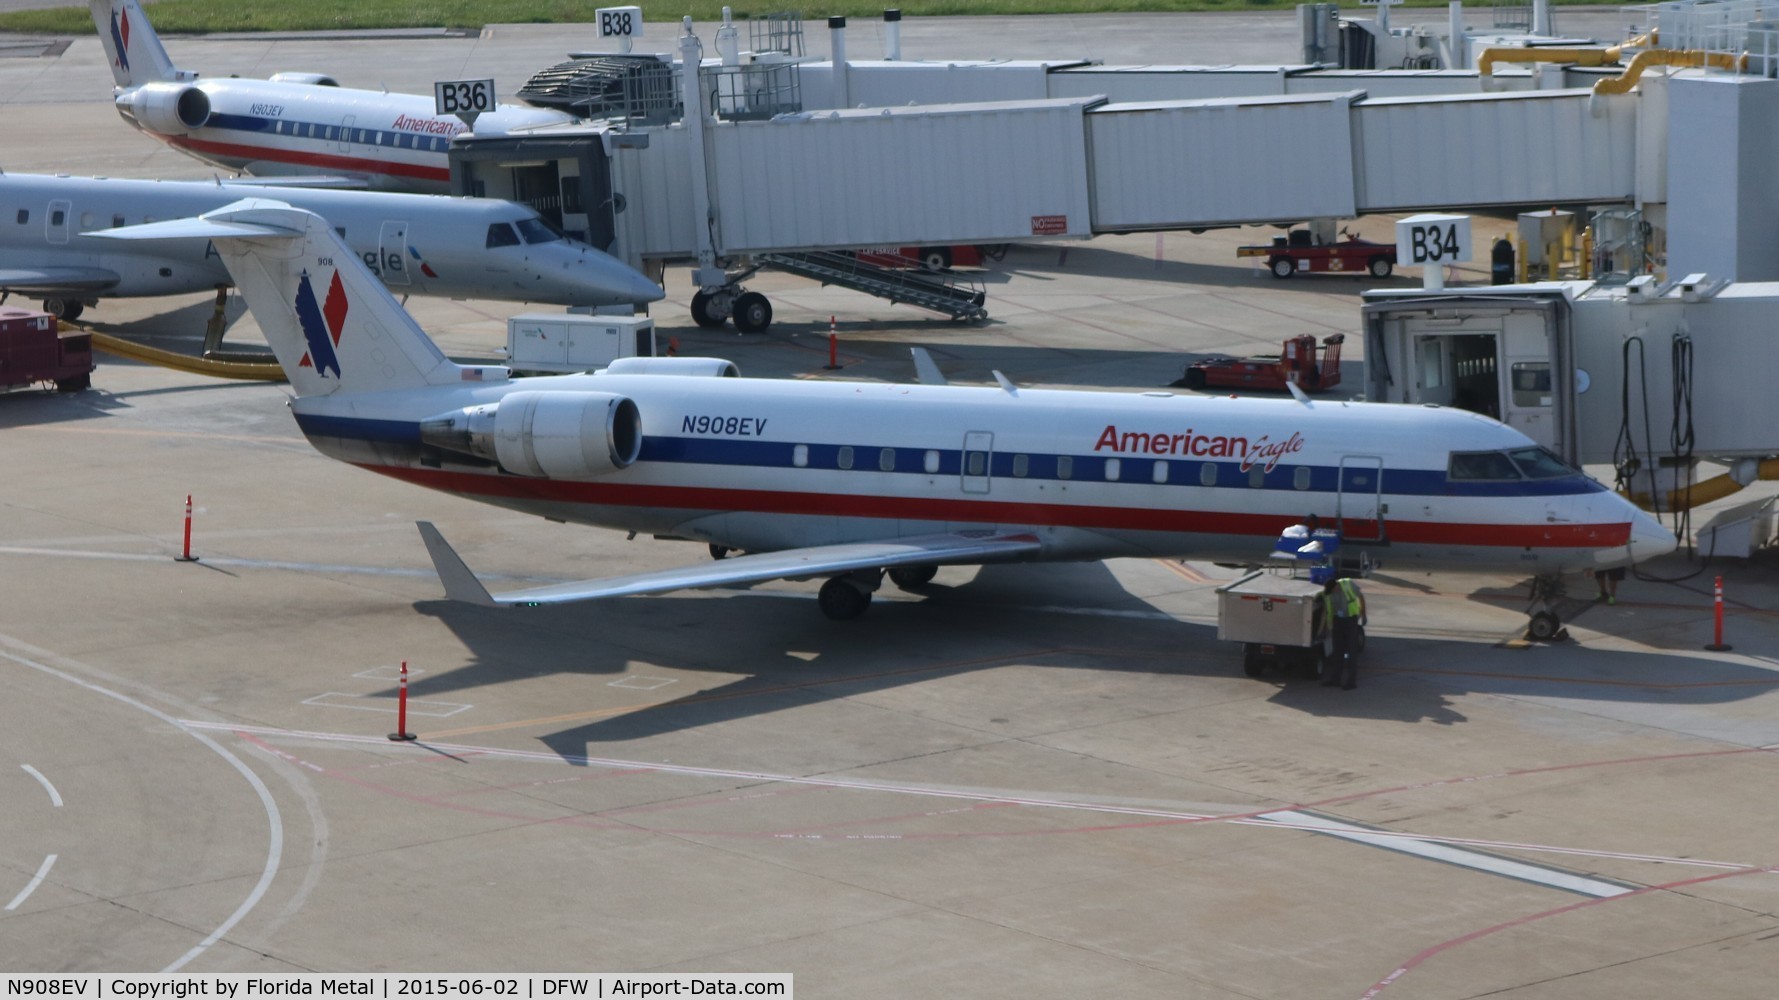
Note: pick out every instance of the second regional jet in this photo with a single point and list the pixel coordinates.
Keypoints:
(418, 244)
(291, 124)
(854, 481)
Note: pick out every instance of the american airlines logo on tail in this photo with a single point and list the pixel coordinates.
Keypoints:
(120, 37)
(321, 324)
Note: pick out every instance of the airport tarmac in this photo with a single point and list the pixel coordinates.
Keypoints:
(1030, 782)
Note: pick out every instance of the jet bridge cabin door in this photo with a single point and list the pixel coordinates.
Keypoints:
(392, 254)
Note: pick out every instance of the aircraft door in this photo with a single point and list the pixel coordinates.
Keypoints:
(346, 133)
(55, 221)
(978, 460)
(1359, 505)
(392, 254)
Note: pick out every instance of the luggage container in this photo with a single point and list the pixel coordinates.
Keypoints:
(34, 349)
(564, 343)
(1278, 619)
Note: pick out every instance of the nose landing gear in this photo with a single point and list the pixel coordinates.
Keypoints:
(1544, 625)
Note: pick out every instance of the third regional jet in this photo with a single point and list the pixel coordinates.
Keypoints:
(290, 125)
(418, 244)
(855, 481)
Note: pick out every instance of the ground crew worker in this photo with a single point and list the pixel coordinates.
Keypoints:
(1343, 608)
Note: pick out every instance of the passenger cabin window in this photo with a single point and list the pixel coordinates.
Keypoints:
(24, 216)
(886, 460)
(1022, 466)
(1207, 474)
(116, 221)
(501, 234)
(58, 217)
(86, 220)
(1114, 467)
(844, 459)
(1256, 477)
(1300, 479)
(1160, 472)
(975, 463)
(931, 461)
(800, 456)
(1065, 467)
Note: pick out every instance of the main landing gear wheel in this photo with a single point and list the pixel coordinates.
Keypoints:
(1543, 627)
(913, 577)
(68, 309)
(710, 311)
(841, 600)
(719, 551)
(1283, 267)
(753, 312)
(1380, 267)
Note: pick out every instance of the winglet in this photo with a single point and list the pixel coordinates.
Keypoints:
(926, 371)
(460, 583)
(1297, 392)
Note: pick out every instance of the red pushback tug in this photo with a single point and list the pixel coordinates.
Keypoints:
(1295, 362)
(33, 349)
(1287, 255)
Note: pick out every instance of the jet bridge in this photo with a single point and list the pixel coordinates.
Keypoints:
(741, 186)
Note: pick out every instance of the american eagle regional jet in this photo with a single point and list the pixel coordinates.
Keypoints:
(854, 481)
(418, 244)
(291, 124)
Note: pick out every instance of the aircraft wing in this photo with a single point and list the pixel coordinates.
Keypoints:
(821, 560)
(60, 279)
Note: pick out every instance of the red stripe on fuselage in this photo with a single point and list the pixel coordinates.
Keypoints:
(1541, 535)
(332, 162)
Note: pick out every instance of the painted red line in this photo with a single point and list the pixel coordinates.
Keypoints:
(1421, 957)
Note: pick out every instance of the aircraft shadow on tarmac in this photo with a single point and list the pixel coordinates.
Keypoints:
(1007, 614)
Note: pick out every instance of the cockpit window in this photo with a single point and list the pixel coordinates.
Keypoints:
(536, 230)
(1520, 463)
(1482, 465)
(1539, 463)
(500, 234)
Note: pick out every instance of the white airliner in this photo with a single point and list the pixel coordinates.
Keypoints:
(849, 480)
(418, 244)
(292, 124)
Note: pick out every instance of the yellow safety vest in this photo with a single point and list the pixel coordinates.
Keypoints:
(1350, 593)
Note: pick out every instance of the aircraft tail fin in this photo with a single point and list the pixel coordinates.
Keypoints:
(135, 51)
(332, 324)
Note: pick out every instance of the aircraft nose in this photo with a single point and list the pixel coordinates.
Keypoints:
(1649, 538)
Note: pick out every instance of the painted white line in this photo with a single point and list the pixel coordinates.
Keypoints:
(641, 682)
(372, 703)
(274, 820)
(1284, 820)
(42, 872)
(387, 673)
(1489, 863)
(55, 797)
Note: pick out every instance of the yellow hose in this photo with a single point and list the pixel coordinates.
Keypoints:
(1622, 83)
(185, 362)
(1715, 488)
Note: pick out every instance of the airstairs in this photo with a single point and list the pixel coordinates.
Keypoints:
(940, 291)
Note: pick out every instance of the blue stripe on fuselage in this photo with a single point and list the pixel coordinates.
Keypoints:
(1137, 471)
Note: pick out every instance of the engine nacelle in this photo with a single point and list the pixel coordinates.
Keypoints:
(548, 435)
(708, 367)
(312, 79)
(167, 108)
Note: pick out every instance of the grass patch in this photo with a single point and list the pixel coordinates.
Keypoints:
(200, 16)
